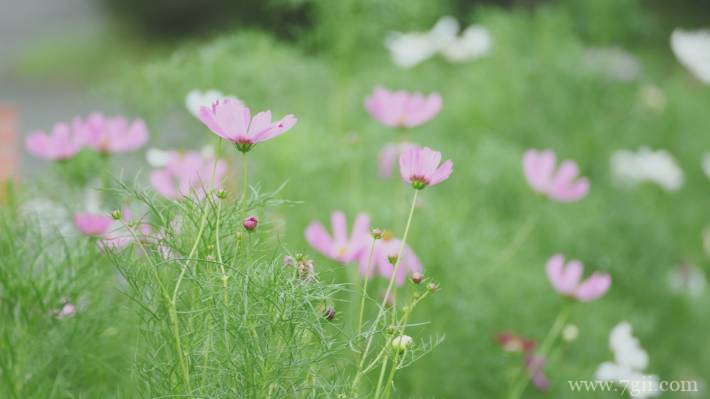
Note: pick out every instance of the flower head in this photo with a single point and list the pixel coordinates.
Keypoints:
(114, 134)
(92, 224)
(339, 246)
(629, 168)
(567, 279)
(197, 99)
(692, 48)
(250, 222)
(561, 185)
(385, 256)
(232, 121)
(401, 108)
(420, 167)
(61, 143)
(187, 173)
(401, 343)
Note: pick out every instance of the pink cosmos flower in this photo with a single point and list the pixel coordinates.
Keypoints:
(339, 246)
(232, 121)
(92, 224)
(187, 173)
(113, 135)
(389, 154)
(60, 144)
(561, 185)
(534, 365)
(567, 279)
(420, 167)
(384, 255)
(401, 108)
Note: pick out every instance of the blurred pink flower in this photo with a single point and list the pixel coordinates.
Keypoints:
(401, 108)
(539, 168)
(232, 121)
(92, 224)
(534, 365)
(60, 144)
(113, 135)
(389, 155)
(420, 167)
(339, 246)
(384, 255)
(567, 279)
(187, 173)
(511, 342)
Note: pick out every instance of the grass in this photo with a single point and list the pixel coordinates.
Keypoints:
(483, 234)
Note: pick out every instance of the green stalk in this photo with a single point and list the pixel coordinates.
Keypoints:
(364, 287)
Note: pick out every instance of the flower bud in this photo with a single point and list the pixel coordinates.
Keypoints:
(376, 234)
(117, 214)
(392, 259)
(329, 313)
(570, 333)
(250, 223)
(432, 287)
(401, 343)
(417, 277)
(221, 193)
(289, 261)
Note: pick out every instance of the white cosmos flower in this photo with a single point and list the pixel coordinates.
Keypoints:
(630, 360)
(197, 99)
(474, 42)
(157, 158)
(692, 48)
(631, 168)
(410, 49)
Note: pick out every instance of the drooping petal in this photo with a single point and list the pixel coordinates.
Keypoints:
(442, 173)
(593, 287)
(276, 129)
(318, 238)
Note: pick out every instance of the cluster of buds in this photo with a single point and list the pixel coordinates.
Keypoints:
(304, 266)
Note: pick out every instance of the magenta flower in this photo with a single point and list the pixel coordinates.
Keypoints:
(561, 185)
(95, 225)
(187, 173)
(60, 144)
(384, 257)
(401, 108)
(339, 246)
(389, 154)
(113, 135)
(232, 121)
(420, 167)
(250, 222)
(567, 279)
(534, 365)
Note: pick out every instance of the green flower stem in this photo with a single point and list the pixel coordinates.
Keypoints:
(364, 287)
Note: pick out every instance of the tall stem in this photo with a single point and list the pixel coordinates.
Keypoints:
(245, 181)
(364, 286)
(545, 348)
(380, 314)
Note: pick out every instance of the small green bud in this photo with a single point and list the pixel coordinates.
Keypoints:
(117, 214)
(401, 343)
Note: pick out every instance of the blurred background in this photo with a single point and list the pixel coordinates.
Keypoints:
(585, 77)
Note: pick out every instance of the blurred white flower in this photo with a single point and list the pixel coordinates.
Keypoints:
(157, 158)
(706, 165)
(631, 168)
(474, 42)
(613, 62)
(687, 279)
(410, 49)
(570, 332)
(653, 97)
(630, 360)
(197, 99)
(692, 48)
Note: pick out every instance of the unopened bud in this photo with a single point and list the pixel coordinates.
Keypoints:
(432, 287)
(221, 193)
(392, 259)
(401, 343)
(250, 223)
(376, 234)
(329, 313)
(417, 277)
(289, 261)
(117, 214)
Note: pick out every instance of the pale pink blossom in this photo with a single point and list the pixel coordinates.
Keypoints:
(61, 143)
(340, 246)
(110, 135)
(232, 121)
(420, 167)
(567, 279)
(562, 184)
(401, 108)
(389, 155)
(187, 173)
(92, 224)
